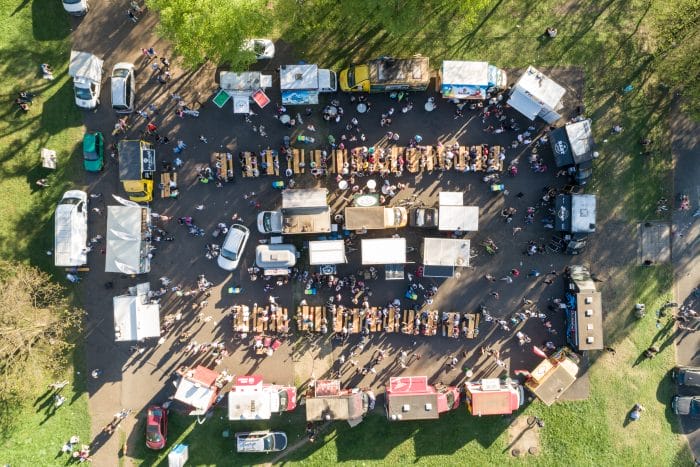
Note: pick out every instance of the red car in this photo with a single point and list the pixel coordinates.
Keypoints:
(156, 427)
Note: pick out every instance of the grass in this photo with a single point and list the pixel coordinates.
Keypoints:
(610, 42)
(32, 33)
(207, 443)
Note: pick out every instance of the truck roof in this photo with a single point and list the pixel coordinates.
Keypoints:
(299, 77)
(86, 65)
(132, 161)
(461, 72)
(358, 218)
(405, 70)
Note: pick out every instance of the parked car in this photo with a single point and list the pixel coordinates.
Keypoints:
(688, 406)
(123, 87)
(233, 246)
(686, 376)
(261, 441)
(76, 7)
(93, 151)
(270, 222)
(156, 427)
(424, 217)
(264, 49)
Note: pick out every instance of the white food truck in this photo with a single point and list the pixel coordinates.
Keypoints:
(301, 84)
(470, 80)
(71, 230)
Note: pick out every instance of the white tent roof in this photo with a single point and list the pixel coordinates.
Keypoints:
(195, 395)
(327, 252)
(524, 104)
(126, 250)
(540, 89)
(86, 65)
(451, 198)
(299, 77)
(253, 405)
(134, 317)
(383, 251)
(446, 252)
(462, 72)
(464, 218)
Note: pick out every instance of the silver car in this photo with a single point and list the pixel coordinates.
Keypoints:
(261, 441)
(233, 246)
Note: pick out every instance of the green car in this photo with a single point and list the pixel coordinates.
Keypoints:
(93, 152)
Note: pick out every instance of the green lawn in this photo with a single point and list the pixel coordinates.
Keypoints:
(31, 33)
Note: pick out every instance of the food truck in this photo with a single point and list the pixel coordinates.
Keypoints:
(326, 401)
(137, 164)
(470, 80)
(241, 88)
(305, 211)
(575, 213)
(387, 74)
(492, 396)
(572, 146)
(584, 310)
(301, 84)
(535, 95)
(251, 399)
(412, 398)
(375, 217)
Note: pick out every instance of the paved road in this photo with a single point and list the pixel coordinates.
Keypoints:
(686, 244)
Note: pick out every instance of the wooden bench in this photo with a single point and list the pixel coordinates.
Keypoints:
(338, 320)
(390, 324)
(375, 324)
(394, 160)
(440, 155)
(472, 325)
(408, 320)
(241, 323)
(298, 164)
(356, 322)
(461, 163)
(412, 160)
(165, 179)
(340, 160)
(317, 312)
(478, 162)
(429, 159)
(498, 163)
(304, 322)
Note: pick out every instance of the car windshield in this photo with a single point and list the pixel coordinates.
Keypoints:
(229, 255)
(91, 155)
(83, 94)
(70, 201)
(120, 73)
(398, 218)
(351, 77)
(71, 2)
(268, 443)
(267, 221)
(153, 434)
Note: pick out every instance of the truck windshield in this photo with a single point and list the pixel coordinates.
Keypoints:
(83, 94)
(351, 77)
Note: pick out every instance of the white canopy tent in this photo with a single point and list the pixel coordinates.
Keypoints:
(383, 251)
(135, 318)
(464, 218)
(535, 95)
(442, 255)
(127, 250)
(323, 252)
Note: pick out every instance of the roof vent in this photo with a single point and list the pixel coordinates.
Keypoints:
(589, 300)
(406, 407)
(589, 312)
(428, 407)
(589, 340)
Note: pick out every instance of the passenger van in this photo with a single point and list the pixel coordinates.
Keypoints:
(123, 87)
(71, 232)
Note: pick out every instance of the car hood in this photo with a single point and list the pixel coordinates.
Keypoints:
(682, 405)
(92, 166)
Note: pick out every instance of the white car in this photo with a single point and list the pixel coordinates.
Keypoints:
(123, 87)
(264, 49)
(71, 229)
(261, 441)
(233, 246)
(76, 7)
(270, 222)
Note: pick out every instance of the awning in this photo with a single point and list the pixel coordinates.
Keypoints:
(524, 104)
(126, 250)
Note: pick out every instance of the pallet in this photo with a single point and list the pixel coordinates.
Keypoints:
(165, 179)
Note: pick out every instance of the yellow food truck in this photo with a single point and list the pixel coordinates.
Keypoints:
(387, 74)
(137, 165)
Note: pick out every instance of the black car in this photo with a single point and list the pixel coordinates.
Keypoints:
(426, 218)
(686, 376)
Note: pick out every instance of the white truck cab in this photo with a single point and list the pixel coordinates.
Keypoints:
(76, 7)
(86, 71)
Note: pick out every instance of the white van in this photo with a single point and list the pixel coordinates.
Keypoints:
(123, 87)
(76, 7)
(70, 244)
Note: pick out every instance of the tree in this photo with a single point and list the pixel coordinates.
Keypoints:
(213, 30)
(38, 329)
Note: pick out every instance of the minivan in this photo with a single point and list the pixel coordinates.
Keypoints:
(123, 87)
(233, 247)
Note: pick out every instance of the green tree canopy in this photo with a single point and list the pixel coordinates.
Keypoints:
(213, 29)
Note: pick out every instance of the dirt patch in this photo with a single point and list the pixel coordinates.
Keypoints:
(524, 437)
(655, 242)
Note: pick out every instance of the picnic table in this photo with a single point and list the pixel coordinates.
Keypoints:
(241, 319)
(166, 191)
(223, 164)
(429, 158)
(250, 165)
(341, 161)
(412, 160)
(472, 325)
(394, 160)
(462, 157)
